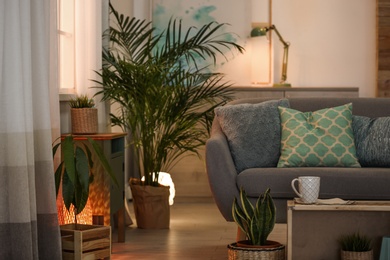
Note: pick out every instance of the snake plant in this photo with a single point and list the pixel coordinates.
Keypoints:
(258, 221)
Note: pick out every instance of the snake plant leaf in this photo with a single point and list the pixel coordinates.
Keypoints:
(247, 206)
(239, 216)
(103, 160)
(265, 215)
(68, 154)
(256, 222)
(254, 233)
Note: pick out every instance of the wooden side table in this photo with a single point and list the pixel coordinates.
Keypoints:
(313, 231)
(105, 197)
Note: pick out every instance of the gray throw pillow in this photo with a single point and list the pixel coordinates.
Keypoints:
(253, 132)
(372, 140)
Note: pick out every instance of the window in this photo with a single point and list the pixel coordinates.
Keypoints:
(66, 45)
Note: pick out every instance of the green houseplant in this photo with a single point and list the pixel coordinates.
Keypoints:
(257, 222)
(84, 117)
(166, 95)
(75, 174)
(75, 171)
(356, 246)
(82, 101)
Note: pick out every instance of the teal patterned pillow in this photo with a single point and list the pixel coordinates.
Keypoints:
(320, 138)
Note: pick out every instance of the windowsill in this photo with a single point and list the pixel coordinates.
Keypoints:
(66, 96)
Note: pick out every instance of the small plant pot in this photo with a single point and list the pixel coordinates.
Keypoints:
(243, 250)
(349, 255)
(84, 120)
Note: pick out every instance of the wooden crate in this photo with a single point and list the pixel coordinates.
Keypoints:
(313, 231)
(87, 242)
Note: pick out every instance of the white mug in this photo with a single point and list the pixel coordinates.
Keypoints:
(309, 188)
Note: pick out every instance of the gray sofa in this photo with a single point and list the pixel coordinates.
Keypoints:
(365, 183)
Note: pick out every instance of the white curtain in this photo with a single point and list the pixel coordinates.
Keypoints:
(91, 22)
(28, 214)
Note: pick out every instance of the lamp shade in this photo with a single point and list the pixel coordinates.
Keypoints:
(257, 31)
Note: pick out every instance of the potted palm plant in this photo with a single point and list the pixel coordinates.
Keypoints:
(257, 222)
(166, 95)
(84, 117)
(356, 246)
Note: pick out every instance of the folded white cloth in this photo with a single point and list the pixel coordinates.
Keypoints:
(334, 201)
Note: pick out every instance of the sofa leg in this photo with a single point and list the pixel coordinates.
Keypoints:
(240, 235)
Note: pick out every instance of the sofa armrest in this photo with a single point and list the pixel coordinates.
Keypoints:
(222, 173)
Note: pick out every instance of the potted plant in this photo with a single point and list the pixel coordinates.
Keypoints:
(84, 117)
(166, 95)
(356, 246)
(75, 173)
(257, 222)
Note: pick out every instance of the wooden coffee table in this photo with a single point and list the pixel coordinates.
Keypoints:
(313, 231)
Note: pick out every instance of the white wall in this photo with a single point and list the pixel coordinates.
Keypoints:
(333, 43)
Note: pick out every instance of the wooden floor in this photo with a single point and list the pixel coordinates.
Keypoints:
(197, 231)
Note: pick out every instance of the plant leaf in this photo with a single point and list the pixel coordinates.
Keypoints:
(57, 177)
(68, 155)
(67, 190)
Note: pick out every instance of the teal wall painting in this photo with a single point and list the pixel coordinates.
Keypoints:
(199, 12)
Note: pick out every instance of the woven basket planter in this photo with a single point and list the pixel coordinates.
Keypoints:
(84, 120)
(349, 255)
(276, 252)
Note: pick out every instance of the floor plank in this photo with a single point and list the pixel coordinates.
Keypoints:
(197, 231)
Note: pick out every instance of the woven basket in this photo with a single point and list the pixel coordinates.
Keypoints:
(348, 255)
(84, 120)
(240, 253)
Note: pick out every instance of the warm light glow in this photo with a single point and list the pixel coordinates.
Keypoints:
(261, 62)
(67, 217)
(166, 180)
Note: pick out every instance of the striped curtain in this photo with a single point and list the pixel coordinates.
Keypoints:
(28, 214)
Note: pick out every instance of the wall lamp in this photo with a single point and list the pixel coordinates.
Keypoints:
(258, 31)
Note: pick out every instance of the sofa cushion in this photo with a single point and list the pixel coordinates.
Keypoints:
(320, 138)
(368, 184)
(253, 132)
(372, 140)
